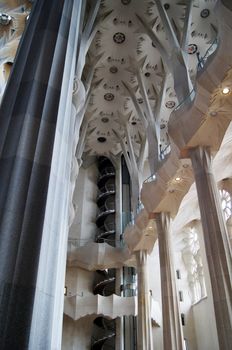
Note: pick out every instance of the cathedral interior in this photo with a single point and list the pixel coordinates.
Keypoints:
(115, 174)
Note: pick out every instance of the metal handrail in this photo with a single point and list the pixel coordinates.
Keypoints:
(107, 171)
(200, 65)
(202, 60)
(109, 189)
(151, 178)
(191, 95)
(104, 210)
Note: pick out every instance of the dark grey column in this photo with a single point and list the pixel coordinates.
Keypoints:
(28, 119)
(216, 243)
(172, 329)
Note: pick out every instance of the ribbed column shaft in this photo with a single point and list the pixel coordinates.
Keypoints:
(172, 329)
(144, 327)
(216, 243)
(28, 124)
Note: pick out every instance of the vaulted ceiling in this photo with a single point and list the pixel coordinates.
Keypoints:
(140, 64)
(143, 46)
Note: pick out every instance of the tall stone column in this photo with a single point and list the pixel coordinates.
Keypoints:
(216, 243)
(172, 329)
(144, 327)
(35, 125)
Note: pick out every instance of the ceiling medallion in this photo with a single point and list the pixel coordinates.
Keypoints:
(125, 2)
(119, 38)
(113, 69)
(5, 19)
(101, 139)
(109, 96)
(192, 48)
(170, 104)
(205, 13)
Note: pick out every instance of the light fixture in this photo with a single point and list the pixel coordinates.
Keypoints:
(178, 178)
(226, 90)
(213, 114)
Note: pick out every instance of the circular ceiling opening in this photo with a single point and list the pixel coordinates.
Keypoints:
(170, 104)
(119, 38)
(113, 69)
(105, 120)
(205, 13)
(101, 139)
(109, 96)
(192, 48)
(166, 6)
(125, 2)
(134, 123)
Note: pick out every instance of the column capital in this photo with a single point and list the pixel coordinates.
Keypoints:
(141, 256)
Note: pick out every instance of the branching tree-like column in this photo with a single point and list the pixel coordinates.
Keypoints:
(176, 58)
(144, 326)
(134, 164)
(216, 243)
(172, 329)
(36, 140)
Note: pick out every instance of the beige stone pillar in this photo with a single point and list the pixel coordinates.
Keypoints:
(144, 326)
(216, 243)
(172, 329)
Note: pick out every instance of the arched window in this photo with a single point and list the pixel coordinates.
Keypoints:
(226, 201)
(192, 259)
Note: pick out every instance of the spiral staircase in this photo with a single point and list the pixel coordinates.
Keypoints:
(104, 282)
(104, 333)
(105, 220)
